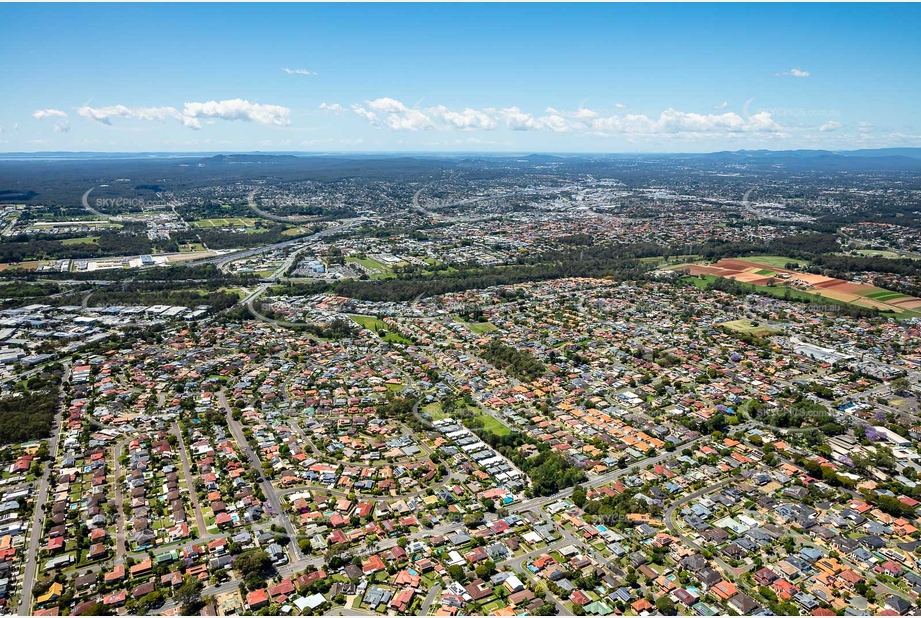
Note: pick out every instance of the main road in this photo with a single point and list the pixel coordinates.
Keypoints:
(268, 490)
(38, 516)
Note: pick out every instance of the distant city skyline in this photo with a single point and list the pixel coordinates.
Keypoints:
(465, 77)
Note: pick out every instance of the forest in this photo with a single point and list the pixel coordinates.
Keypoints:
(521, 364)
(155, 293)
(27, 416)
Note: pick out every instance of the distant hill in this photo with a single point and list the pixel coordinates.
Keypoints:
(913, 153)
(895, 159)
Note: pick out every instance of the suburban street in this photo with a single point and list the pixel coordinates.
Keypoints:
(38, 518)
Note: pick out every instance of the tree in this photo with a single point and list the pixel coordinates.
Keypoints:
(457, 573)
(152, 600)
(665, 606)
(253, 563)
(188, 595)
(578, 496)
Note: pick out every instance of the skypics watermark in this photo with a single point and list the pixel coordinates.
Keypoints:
(791, 112)
(120, 203)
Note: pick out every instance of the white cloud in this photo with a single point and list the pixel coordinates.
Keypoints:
(386, 105)
(332, 108)
(723, 105)
(367, 115)
(620, 106)
(397, 116)
(105, 114)
(194, 113)
(866, 127)
(674, 122)
(831, 125)
(298, 71)
(41, 114)
(794, 72)
(466, 120)
(517, 120)
(62, 125)
(235, 109)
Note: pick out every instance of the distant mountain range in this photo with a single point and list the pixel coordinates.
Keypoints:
(896, 159)
(881, 159)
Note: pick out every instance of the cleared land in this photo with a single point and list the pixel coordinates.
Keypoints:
(795, 284)
(491, 425)
(478, 327)
(87, 240)
(375, 269)
(878, 253)
(376, 325)
(777, 261)
(747, 326)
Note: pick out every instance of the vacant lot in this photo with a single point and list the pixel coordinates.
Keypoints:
(492, 425)
(777, 261)
(376, 325)
(747, 326)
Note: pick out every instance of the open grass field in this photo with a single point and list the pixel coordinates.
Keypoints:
(294, 231)
(884, 295)
(376, 325)
(225, 222)
(777, 261)
(434, 411)
(878, 253)
(88, 240)
(376, 270)
(479, 328)
(190, 247)
(746, 326)
(491, 425)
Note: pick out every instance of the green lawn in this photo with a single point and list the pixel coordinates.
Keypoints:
(434, 410)
(878, 253)
(884, 295)
(478, 328)
(492, 425)
(89, 240)
(746, 326)
(777, 261)
(377, 270)
(376, 325)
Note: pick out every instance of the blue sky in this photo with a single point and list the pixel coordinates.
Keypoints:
(458, 77)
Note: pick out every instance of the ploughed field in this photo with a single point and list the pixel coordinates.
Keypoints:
(756, 273)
